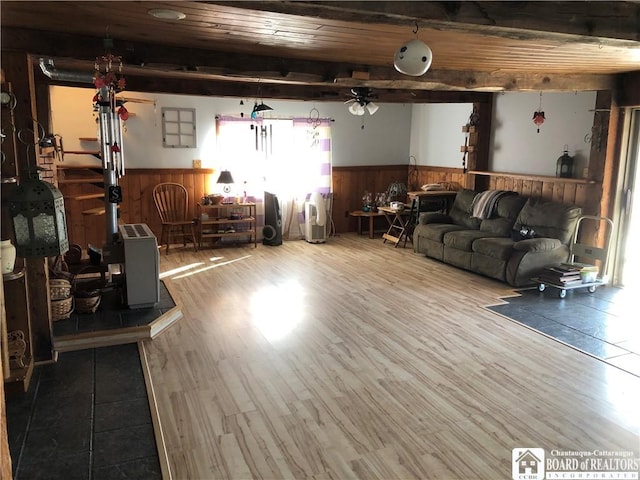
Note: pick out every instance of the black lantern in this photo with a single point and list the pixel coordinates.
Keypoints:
(564, 166)
(37, 214)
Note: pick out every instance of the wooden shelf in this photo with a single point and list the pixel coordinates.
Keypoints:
(82, 180)
(82, 152)
(208, 228)
(86, 196)
(94, 211)
(97, 166)
(88, 139)
(540, 178)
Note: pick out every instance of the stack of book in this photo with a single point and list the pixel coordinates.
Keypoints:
(561, 275)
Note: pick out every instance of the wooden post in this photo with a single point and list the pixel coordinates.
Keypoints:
(18, 69)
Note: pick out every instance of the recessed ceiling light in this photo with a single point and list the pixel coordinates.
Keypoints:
(166, 14)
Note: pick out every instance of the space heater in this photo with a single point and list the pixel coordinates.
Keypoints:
(315, 219)
(141, 265)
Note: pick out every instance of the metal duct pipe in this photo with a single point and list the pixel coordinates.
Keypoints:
(49, 69)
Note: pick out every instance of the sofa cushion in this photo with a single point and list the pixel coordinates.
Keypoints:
(461, 209)
(537, 245)
(463, 239)
(500, 227)
(426, 218)
(549, 219)
(509, 206)
(436, 231)
(499, 248)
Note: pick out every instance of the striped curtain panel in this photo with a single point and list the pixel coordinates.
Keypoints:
(312, 142)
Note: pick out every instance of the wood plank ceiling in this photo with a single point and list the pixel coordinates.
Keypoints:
(318, 50)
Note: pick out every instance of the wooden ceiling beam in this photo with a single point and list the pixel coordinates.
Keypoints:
(603, 21)
(79, 52)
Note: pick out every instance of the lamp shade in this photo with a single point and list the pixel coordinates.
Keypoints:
(356, 108)
(39, 222)
(261, 107)
(372, 108)
(225, 177)
(413, 58)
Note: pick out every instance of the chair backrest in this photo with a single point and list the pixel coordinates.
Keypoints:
(172, 201)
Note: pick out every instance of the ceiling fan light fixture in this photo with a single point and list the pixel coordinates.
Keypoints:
(356, 108)
(166, 14)
(372, 108)
(413, 58)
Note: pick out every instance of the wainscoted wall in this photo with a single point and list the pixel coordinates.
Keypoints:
(349, 185)
(137, 204)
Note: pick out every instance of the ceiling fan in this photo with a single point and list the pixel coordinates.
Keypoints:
(362, 100)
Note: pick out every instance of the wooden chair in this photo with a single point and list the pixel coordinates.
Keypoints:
(172, 202)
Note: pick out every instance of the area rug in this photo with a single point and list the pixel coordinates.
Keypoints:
(602, 324)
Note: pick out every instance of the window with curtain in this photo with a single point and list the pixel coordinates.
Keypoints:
(289, 157)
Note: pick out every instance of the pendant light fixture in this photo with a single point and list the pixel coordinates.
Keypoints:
(413, 57)
(259, 107)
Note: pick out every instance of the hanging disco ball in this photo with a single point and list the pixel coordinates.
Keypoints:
(413, 58)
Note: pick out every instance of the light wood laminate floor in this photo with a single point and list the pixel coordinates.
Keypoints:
(354, 359)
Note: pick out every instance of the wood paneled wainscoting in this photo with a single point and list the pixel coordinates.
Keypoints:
(83, 192)
(349, 184)
(82, 188)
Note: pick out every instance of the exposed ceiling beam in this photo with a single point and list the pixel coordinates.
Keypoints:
(169, 62)
(603, 21)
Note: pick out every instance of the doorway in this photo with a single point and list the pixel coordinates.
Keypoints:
(627, 265)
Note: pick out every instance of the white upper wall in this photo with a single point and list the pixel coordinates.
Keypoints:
(436, 133)
(516, 147)
(430, 132)
(383, 141)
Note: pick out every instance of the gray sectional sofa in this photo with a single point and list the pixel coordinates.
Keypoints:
(494, 246)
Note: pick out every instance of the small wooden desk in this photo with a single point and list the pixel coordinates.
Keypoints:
(446, 196)
(359, 214)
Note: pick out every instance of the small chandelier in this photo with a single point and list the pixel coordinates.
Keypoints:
(413, 57)
(37, 213)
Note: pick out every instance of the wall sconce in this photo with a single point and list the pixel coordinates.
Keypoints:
(414, 57)
(37, 213)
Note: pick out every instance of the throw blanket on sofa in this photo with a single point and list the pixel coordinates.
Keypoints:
(484, 203)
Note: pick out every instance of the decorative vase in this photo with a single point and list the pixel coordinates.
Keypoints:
(8, 256)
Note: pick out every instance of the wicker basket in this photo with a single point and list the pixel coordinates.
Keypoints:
(87, 302)
(61, 309)
(86, 295)
(59, 288)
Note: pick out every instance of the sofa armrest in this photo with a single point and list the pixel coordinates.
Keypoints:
(434, 217)
(537, 245)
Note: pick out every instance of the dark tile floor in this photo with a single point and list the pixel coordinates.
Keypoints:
(87, 416)
(111, 314)
(603, 324)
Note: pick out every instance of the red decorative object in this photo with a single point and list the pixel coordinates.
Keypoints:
(538, 119)
(115, 148)
(108, 75)
(123, 113)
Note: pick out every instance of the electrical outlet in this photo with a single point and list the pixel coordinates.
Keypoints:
(197, 164)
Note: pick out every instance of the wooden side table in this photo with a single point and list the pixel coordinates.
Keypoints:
(359, 214)
(399, 223)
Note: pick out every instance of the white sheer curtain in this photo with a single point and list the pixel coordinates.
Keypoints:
(291, 158)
